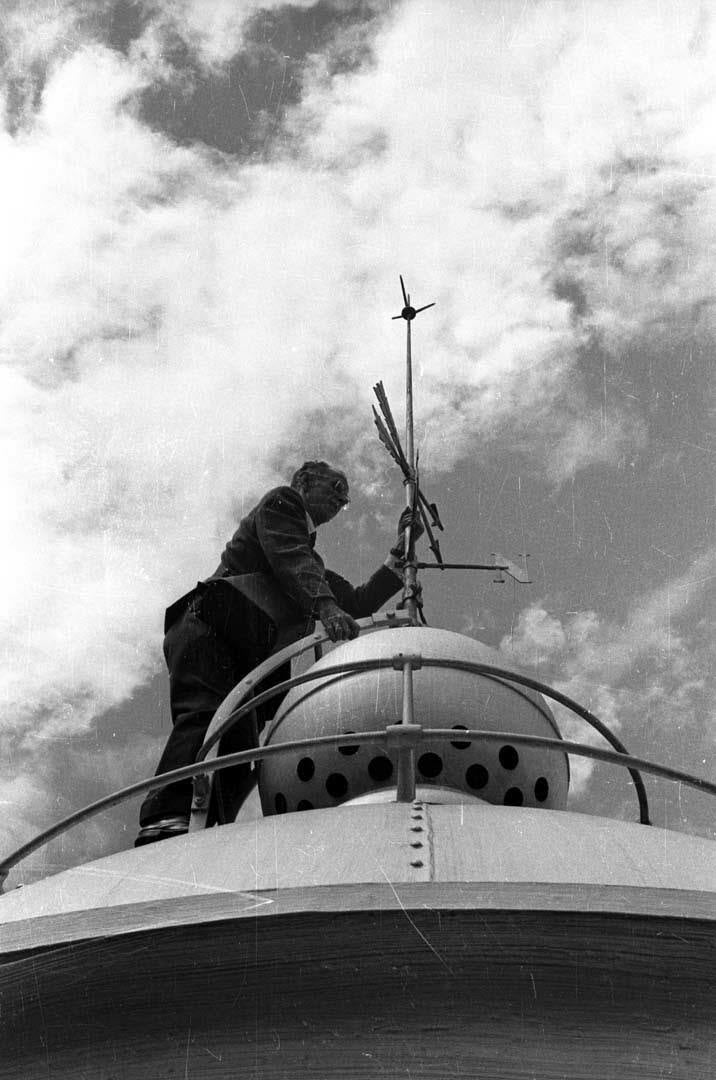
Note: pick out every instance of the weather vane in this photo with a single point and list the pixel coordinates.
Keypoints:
(407, 460)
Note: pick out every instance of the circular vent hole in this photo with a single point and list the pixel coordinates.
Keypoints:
(380, 769)
(336, 785)
(305, 805)
(460, 745)
(513, 797)
(509, 758)
(347, 751)
(477, 776)
(541, 789)
(305, 769)
(280, 803)
(430, 765)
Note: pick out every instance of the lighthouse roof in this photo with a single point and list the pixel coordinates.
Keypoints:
(496, 850)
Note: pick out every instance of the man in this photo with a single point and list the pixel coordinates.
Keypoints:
(268, 589)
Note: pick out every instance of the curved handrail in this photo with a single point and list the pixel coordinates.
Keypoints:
(233, 715)
(243, 757)
(234, 707)
(257, 675)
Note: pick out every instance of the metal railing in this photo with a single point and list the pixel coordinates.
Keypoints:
(402, 738)
(235, 706)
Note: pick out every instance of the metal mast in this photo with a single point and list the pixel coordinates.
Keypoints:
(414, 497)
(410, 593)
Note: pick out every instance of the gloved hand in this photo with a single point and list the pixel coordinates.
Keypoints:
(338, 624)
(407, 518)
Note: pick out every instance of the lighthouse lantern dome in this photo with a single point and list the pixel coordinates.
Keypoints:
(496, 771)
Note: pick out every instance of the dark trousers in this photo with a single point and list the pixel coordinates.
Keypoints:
(207, 657)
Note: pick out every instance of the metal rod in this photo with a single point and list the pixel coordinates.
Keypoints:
(502, 675)
(232, 715)
(186, 772)
(232, 709)
(408, 699)
(406, 755)
(410, 586)
(405, 791)
(411, 573)
(409, 428)
(443, 734)
(459, 566)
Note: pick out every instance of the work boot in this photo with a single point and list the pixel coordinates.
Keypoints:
(163, 829)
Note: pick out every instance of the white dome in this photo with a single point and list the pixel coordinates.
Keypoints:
(494, 771)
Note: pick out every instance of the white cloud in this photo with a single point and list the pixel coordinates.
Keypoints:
(653, 667)
(528, 159)
(215, 29)
(591, 440)
(33, 31)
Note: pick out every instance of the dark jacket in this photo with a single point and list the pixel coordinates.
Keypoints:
(274, 539)
(271, 560)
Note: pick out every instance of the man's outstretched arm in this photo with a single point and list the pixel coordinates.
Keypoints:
(363, 600)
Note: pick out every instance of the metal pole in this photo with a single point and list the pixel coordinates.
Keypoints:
(410, 588)
(406, 754)
(409, 430)
(411, 573)
(409, 662)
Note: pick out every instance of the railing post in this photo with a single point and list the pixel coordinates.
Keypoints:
(404, 738)
(200, 802)
(407, 733)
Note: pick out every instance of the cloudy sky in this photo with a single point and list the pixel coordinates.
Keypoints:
(204, 209)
